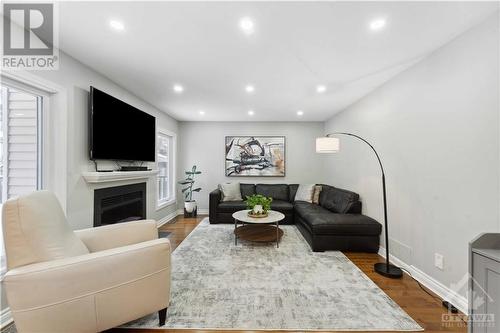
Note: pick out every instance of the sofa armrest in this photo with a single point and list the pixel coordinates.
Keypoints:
(214, 199)
(59, 281)
(355, 208)
(119, 234)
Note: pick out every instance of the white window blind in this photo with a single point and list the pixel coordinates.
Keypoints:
(20, 142)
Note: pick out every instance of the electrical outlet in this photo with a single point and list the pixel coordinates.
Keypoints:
(439, 261)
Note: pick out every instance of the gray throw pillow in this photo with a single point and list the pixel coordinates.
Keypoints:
(230, 192)
(305, 193)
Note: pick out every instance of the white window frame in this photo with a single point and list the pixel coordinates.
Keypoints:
(172, 169)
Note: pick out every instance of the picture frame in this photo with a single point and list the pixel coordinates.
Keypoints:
(255, 156)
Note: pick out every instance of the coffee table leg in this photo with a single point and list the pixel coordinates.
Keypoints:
(235, 237)
(277, 234)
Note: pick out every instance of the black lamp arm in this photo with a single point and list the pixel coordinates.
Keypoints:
(365, 141)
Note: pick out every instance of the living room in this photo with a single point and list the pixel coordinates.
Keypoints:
(215, 166)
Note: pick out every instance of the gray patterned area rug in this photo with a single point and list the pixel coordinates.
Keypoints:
(252, 286)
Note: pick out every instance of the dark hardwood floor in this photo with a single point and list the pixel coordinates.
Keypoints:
(426, 310)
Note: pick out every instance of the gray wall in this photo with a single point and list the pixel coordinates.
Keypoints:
(202, 143)
(436, 127)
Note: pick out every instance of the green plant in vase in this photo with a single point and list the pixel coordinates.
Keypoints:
(190, 206)
(258, 204)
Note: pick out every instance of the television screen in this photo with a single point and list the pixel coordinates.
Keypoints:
(119, 131)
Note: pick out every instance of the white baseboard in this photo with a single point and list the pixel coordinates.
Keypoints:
(167, 219)
(432, 284)
(6, 318)
(200, 211)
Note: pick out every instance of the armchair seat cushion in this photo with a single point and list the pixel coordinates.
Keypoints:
(323, 222)
(39, 284)
(231, 206)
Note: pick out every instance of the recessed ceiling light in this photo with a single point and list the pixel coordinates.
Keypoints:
(320, 89)
(117, 25)
(377, 24)
(251, 113)
(247, 25)
(249, 89)
(300, 113)
(178, 88)
(201, 112)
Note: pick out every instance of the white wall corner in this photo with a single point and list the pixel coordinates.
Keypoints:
(430, 283)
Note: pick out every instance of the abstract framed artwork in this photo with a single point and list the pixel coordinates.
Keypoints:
(255, 156)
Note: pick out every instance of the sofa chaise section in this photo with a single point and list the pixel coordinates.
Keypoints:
(324, 230)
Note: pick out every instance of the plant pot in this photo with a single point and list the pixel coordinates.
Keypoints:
(257, 209)
(190, 209)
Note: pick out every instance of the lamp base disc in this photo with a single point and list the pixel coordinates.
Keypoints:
(389, 271)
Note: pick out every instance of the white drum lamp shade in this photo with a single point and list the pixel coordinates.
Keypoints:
(327, 145)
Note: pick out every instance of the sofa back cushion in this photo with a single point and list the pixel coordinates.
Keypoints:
(247, 190)
(292, 188)
(337, 200)
(275, 191)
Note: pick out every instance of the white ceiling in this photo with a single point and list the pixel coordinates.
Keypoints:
(296, 46)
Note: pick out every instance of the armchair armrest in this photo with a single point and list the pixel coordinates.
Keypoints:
(116, 235)
(67, 280)
(214, 198)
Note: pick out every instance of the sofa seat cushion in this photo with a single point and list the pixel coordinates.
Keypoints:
(323, 222)
(281, 206)
(231, 206)
(275, 191)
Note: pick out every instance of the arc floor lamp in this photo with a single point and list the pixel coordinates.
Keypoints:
(331, 144)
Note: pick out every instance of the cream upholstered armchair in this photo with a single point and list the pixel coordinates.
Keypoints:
(84, 281)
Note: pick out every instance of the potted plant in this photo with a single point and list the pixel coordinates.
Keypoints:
(190, 207)
(258, 204)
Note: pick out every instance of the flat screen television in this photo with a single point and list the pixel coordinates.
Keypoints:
(119, 131)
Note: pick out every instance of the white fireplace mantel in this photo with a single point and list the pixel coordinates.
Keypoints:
(116, 176)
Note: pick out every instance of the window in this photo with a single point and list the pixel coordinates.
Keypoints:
(166, 165)
(20, 133)
(20, 143)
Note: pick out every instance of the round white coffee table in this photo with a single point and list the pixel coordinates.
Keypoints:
(258, 229)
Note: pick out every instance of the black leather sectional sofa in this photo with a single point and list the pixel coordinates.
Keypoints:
(336, 223)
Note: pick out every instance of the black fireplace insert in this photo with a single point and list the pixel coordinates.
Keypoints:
(119, 204)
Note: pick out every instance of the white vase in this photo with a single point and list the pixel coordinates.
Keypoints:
(257, 209)
(190, 206)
